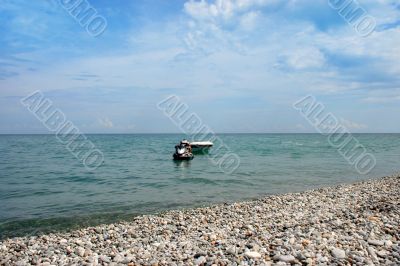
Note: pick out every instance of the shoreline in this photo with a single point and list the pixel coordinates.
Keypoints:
(356, 223)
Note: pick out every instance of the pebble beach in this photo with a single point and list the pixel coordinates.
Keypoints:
(349, 224)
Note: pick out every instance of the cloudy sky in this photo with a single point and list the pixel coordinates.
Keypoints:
(238, 64)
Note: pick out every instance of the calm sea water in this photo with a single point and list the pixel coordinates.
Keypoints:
(44, 188)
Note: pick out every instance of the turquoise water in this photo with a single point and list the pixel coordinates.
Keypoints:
(43, 187)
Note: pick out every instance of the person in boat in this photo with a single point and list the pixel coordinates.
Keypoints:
(183, 151)
(180, 149)
(187, 145)
(185, 142)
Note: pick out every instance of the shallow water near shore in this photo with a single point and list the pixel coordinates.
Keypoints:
(43, 187)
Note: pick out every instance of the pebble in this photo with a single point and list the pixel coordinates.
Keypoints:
(300, 256)
(80, 251)
(200, 260)
(252, 254)
(338, 253)
(354, 224)
(376, 242)
(388, 243)
(382, 253)
(213, 237)
(104, 258)
(372, 253)
(231, 250)
(287, 258)
(118, 258)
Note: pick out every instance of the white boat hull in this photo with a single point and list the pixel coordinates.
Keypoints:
(201, 145)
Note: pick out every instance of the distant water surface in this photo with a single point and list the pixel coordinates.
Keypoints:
(44, 188)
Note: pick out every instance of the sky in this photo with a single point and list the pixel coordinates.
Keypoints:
(240, 65)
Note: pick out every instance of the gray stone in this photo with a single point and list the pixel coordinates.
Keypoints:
(252, 254)
(300, 256)
(118, 258)
(388, 243)
(338, 253)
(80, 251)
(382, 253)
(200, 260)
(375, 242)
(104, 258)
(287, 258)
(372, 253)
(231, 250)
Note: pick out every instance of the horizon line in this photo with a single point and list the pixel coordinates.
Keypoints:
(178, 133)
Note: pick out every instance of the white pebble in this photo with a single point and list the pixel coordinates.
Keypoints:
(252, 254)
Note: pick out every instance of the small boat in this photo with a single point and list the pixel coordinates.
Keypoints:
(201, 146)
(183, 157)
(183, 151)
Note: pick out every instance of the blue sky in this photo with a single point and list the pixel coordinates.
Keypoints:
(239, 64)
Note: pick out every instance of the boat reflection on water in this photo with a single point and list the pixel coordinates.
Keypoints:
(182, 163)
(200, 151)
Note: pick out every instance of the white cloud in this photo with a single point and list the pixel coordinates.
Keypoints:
(249, 20)
(105, 122)
(201, 55)
(381, 100)
(221, 9)
(220, 49)
(383, 96)
(352, 125)
(219, 24)
(305, 58)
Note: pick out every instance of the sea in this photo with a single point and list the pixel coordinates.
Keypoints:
(44, 188)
